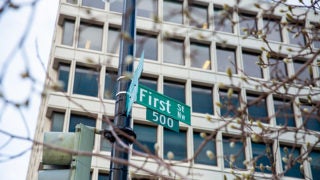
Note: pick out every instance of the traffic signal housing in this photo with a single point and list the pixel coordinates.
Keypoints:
(66, 156)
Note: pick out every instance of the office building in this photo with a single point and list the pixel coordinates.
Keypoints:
(207, 55)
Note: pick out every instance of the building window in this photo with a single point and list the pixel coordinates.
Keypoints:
(233, 151)
(290, 163)
(226, 58)
(296, 36)
(175, 91)
(258, 110)
(305, 77)
(263, 157)
(200, 55)
(103, 176)
(172, 11)
(278, 69)
(204, 157)
(173, 51)
(146, 136)
(116, 6)
(248, 24)
(93, 3)
(72, 1)
(57, 120)
(68, 30)
(148, 44)
(147, 8)
(175, 143)
(284, 112)
(149, 82)
(85, 81)
(272, 29)
(63, 75)
(105, 144)
(315, 31)
(315, 164)
(198, 16)
(250, 64)
(110, 85)
(90, 36)
(77, 119)
(202, 99)
(113, 40)
(310, 116)
(229, 102)
(223, 20)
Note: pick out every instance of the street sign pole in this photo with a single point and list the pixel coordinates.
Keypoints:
(119, 171)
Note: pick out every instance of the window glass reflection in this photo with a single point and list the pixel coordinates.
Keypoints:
(258, 110)
(233, 153)
(199, 16)
(200, 55)
(90, 36)
(173, 51)
(226, 58)
(85, 82)
(250, 64)
(202, 100)
(176, 143)
(68, 30)
(174, 90)
(202, 157)
(147, 8)
(147, 136)
(93, 3)
(172, 11)
(222, 20)
(63, 75)
(77, 119)
(148, 44)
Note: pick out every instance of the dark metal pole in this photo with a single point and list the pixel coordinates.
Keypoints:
(119, 171)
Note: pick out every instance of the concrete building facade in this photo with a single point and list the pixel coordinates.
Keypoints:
(196, 53)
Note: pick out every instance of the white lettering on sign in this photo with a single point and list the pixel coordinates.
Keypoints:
(155, 102)
(162, 119)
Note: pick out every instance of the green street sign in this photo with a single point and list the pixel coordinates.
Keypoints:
(162, 120)
(163, 104)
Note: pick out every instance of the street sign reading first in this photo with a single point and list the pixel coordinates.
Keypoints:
(163, 104)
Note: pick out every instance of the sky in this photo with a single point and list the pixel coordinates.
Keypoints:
(12, 25)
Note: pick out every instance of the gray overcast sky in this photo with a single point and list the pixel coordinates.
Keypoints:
(12, 25)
